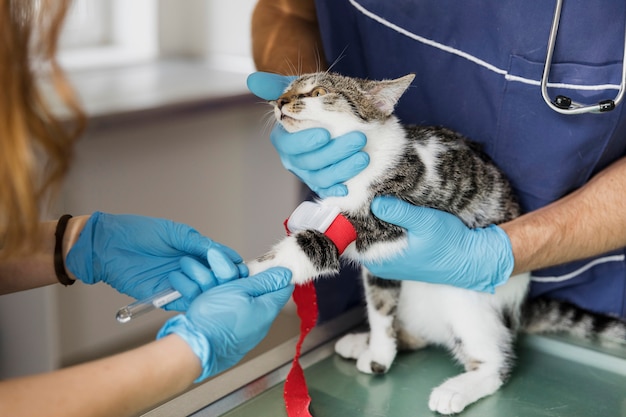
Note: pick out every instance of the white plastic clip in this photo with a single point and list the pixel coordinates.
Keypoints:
(311, 215)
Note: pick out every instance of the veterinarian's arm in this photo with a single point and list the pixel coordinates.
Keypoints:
(137, 255)
(120, 385)
(441, 249)
(36, 269)
(141, 256)
(286, 38)
(221, 326)
(587, 222)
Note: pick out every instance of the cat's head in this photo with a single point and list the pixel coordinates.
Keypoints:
(337, 103)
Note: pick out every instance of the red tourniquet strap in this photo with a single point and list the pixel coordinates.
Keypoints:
(341, 232)
(296, 393)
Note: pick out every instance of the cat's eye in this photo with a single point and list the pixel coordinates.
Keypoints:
(318, 91)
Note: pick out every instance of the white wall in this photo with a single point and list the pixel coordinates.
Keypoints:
(29, 332)
(215, 30)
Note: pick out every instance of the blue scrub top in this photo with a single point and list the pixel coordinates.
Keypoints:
(478, 66)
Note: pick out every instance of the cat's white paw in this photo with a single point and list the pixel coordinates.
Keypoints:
(444, 400)
(352, 345)
(298, 276)
(288, 254)
(457, 393)
(368, 360)
(372, 362)
(254, 267)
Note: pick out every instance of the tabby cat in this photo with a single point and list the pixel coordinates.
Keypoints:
(426, 166)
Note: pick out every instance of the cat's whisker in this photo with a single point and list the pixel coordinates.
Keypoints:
(263, 102)
(268, 121)
(318, 60)
(293, 69)
(300, 64)
(336, 61)
(267, 129)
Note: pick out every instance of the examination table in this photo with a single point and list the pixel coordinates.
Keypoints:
(554, 376)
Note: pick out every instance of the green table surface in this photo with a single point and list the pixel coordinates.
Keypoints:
(562, 380)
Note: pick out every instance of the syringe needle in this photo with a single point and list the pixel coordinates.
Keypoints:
(158, 300)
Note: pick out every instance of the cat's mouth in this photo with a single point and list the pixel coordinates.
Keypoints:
(285, 118)
(284, 115)
(291, 122)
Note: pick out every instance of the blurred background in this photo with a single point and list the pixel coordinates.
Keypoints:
(173, 133)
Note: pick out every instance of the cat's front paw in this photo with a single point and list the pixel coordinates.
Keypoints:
(371, 362)
(288, 254)
(273, 259)
(447, 400)
(352, 345)
(256, 266)
(368, 360)
(458, 392)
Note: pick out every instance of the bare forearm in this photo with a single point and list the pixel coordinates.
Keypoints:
(285, 37)
(121, 385)
(37, 269)
(588, 222)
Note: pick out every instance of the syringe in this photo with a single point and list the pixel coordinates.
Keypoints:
(158, 300)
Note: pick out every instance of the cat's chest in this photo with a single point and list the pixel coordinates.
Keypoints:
(390, 164)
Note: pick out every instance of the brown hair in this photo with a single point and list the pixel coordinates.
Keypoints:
(35, 143)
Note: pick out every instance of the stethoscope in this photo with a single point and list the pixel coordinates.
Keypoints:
(566, 105)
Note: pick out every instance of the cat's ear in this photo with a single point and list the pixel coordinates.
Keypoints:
(386, 94)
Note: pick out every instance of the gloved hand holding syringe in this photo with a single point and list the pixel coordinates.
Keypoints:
(222, 269)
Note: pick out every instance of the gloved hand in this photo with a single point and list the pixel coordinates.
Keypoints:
(321, 162)
(136, 254)
(268, 86)
(442, 250)
(226, 322)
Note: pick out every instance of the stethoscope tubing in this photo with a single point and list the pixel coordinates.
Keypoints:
(576, 108)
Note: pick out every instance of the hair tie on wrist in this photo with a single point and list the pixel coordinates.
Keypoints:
(59, 265)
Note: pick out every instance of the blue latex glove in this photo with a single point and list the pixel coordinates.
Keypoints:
(226, 322)
(136, 254)
(268, 86)
(443, 250)
(321, 162)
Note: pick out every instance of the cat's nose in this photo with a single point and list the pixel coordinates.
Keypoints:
(281, 102)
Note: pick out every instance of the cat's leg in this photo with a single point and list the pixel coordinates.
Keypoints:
(485, 348)
(375, 354)
(352, 346)
(408, 341)
(307, 253)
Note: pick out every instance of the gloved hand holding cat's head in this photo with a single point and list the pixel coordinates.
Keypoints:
(325, 158)
(321, 161)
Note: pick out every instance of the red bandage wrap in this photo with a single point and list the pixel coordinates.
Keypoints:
(341, 232)
(296, 394)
